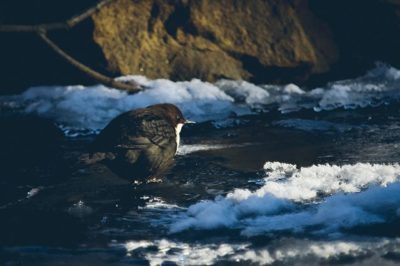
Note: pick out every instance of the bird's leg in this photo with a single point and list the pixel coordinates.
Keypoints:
(154, 179)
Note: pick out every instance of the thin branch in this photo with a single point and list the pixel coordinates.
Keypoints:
(42, 29)
(78, 18)
(70, 23)
(33, 28)
(129, 87)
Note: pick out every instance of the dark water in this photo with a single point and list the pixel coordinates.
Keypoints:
(269, 175)
(90, 216)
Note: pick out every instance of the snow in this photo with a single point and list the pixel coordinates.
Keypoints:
(92, 107)
(290, 251)
(327, 197)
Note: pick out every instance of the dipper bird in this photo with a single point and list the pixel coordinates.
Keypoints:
(140, 144)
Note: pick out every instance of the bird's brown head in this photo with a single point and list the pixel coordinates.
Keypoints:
(170, 112)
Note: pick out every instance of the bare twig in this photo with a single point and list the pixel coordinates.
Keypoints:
(42, 29)
(33, 28)
(131, 88)
(80, 17)
(70, 23)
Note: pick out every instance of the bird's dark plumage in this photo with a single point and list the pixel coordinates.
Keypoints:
(141, 143)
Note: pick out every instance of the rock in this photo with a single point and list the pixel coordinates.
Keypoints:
(302, 41)
(262, 41)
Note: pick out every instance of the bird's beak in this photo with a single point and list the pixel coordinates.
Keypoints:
(189, 122)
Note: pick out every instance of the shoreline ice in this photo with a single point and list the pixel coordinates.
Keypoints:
(320, 199)
(93, 107)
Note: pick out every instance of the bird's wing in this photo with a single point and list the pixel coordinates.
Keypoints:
(158, 131)
(125, 133)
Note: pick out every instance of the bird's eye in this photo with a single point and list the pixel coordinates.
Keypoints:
(178, 117)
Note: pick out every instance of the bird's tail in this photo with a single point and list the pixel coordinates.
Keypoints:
(96, 157)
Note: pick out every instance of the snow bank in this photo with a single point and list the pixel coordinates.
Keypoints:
(159, 251)
(94, 106)
(301, 199)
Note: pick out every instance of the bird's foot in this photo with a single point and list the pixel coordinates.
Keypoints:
(136, 182)
(153, 179)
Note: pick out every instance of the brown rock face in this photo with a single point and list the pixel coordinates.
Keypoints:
(262, 41)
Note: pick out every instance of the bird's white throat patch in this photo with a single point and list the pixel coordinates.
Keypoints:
(178, 129)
